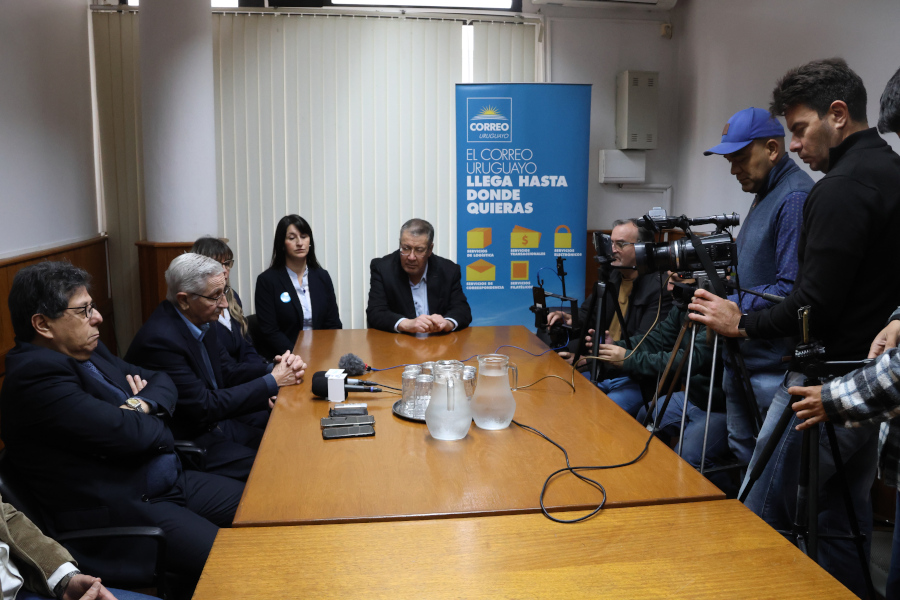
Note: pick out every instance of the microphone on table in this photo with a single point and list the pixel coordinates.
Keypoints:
(320, 386)
(353, 365)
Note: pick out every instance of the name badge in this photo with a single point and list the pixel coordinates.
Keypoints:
(285, 297)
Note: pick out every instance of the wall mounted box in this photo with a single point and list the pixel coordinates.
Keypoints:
(623, 166)
(636, 110)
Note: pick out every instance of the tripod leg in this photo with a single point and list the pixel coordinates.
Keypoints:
(665, 374)
(600, 326)
(712, 382)
(767, 450)
(687, 390)
(801, 512)
(812, 491)
(671, 389)
(857, 536)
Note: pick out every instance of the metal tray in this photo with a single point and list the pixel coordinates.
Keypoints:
(418, 416)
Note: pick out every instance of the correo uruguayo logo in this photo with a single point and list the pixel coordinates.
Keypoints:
(489, 119)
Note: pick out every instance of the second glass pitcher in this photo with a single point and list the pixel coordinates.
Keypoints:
(493, 405)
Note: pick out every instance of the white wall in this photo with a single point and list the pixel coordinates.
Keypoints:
(593, 46)
(46, 139)
(732, 52)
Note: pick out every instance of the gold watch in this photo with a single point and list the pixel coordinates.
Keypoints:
(135, 404)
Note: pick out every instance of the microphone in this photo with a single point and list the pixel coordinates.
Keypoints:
(320, 386)
(353, 365)
(349, 382)
(770, 297)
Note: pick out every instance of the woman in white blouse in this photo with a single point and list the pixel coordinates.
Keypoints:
(295, 292)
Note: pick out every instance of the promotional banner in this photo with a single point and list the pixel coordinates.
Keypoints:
(522, 171)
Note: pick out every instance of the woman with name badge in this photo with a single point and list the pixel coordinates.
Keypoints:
(295, 292)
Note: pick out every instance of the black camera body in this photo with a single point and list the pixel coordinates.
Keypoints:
(680, 256)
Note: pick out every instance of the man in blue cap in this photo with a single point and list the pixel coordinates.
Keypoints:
(753, 144)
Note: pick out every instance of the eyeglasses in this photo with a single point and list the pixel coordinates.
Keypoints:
(219, 297)
(407, 250)
(622, 245)
(227, 263)
(87, 309)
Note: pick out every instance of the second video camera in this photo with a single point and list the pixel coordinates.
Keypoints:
(681, 256)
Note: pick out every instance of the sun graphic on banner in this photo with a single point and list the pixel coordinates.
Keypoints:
(490, 112)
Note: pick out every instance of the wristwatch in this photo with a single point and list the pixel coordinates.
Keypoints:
(742, 325)
(135, 403)
(60, 589)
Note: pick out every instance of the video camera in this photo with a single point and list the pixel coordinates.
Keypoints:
(682, 256)
(560, 331)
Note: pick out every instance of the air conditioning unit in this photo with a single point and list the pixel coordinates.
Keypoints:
(644, 4)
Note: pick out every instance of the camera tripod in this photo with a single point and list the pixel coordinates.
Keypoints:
(601, 295)
(687, 357)
(805, 527)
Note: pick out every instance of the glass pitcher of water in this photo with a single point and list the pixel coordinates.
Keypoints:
(449, 413)
(493, 405)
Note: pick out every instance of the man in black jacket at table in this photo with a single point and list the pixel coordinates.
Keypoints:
(415, 291)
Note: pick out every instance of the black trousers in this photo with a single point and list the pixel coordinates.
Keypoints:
(231, 448)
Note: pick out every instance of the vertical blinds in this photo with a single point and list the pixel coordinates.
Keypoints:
(345, 120)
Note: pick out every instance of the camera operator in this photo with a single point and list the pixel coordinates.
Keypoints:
(753, 144)
(849, 223)
(638, 298)
(870, 394)
(650, 359)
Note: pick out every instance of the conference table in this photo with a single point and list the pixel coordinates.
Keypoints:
(402, 473)
(697, 550)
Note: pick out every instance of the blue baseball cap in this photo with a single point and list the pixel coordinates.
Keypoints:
(744, 127)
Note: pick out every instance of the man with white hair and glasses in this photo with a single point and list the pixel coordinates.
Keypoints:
(212, 390)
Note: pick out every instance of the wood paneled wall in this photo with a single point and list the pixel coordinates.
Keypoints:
(153, 260)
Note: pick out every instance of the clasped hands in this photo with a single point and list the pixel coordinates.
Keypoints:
(425, 324)
(289, 369)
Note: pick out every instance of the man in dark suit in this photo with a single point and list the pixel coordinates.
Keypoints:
(87, 431)
(212, 389)
(414, 291)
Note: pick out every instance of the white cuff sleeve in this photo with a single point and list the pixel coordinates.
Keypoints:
(63, 570)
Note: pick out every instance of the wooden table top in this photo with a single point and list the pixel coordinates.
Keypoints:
(697, 550)
(403, 473)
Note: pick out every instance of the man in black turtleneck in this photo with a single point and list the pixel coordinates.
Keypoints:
(850, 222)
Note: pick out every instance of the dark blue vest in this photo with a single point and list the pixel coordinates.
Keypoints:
(756, 254)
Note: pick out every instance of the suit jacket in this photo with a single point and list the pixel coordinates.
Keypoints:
(281, 322)
(84, 458)
(238, 347)
(36, 556)
(390, 298)
(165, 343)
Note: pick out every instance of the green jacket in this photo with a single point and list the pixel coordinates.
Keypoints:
(649, 361)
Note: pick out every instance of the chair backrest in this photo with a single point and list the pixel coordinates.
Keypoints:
(14, 492)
